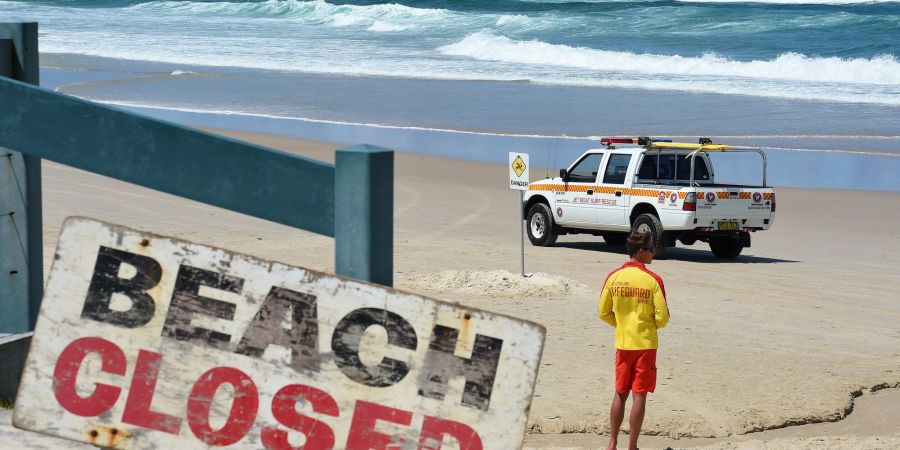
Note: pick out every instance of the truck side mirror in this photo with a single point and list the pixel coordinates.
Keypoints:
(563, 174)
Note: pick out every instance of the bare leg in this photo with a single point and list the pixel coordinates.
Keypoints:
(616, 415)
(638, 406)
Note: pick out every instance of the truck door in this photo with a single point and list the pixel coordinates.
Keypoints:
(573, 203)
(611, 200)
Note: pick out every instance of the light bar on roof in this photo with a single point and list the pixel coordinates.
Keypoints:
(617, 140)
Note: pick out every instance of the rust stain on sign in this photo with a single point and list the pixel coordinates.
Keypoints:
(147, 342)
(108, 436)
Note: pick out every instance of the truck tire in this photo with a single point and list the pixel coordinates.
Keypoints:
(649, 223)
(540, 226)
(615, 239)
(726, 247)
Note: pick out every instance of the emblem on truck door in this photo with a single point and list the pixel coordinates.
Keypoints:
(710, 197)
(757, 197)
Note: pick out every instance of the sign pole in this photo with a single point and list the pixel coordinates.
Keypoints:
(522, 228)
(518, 180)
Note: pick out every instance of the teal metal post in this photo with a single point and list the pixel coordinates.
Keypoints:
(364, 213)
(21, 224)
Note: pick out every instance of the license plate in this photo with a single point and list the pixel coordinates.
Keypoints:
(728, 226)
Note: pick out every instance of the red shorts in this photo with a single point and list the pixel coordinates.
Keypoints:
(636, 371)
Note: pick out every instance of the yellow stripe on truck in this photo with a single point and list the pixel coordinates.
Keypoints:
(602, 190)
(723, 195)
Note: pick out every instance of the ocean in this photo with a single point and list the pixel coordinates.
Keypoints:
(817, 83)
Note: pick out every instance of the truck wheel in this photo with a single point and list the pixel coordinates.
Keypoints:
(615, 239)
(726, 247)
(648, 223)
(540, 226)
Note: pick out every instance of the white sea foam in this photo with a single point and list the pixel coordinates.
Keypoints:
(150, 106)
(316, 11)
(845, 82)
(146, 105)
(879, 70)
(732, 84)
(381, 26)
(320, 37)
(517, 19)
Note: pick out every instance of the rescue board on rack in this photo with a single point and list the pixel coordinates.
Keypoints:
(150, 342)
(689, 146)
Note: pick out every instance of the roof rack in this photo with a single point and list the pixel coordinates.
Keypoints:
(703, 145)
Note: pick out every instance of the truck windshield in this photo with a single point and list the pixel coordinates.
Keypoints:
(655, 168)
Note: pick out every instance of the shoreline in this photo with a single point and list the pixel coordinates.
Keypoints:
(797, 168)
(477, 129)
(62, 76)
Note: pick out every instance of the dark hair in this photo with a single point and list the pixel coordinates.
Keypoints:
(637, 241)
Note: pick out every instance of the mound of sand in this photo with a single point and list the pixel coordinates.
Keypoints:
(494, 283)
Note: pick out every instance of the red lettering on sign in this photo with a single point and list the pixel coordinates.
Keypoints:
(319, 436)
(243, 407)
(362, 429)
(138, 408)
(140, 397)
(66, 373)
(434, 430)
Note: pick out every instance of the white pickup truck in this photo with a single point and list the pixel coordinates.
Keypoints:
(664, 188)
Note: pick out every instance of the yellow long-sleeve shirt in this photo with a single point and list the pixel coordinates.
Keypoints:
(634, 301)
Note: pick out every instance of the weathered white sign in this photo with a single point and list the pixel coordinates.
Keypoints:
(148, 342)
(518, 171)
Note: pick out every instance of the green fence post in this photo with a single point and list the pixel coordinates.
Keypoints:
(21, 224)
(364, 213)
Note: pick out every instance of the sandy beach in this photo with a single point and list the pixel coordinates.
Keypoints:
(801, 329)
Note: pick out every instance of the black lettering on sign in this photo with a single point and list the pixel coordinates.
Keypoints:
(266, 328)
(345, 343)
(187, 302)
(105, 282)
(479, 371)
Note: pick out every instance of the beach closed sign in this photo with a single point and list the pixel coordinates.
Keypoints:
(518, 171)
(148, 342)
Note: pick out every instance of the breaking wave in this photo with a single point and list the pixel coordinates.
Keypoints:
(315, 11)
(879, 70)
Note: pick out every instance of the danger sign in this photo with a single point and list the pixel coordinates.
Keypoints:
(518, 171)
(147, 342)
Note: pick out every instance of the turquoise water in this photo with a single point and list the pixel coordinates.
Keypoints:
(815, 82)
(837, 50)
